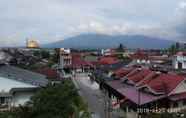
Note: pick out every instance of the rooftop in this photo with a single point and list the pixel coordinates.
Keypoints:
(7, 84)
(151, 85)
(23, 75)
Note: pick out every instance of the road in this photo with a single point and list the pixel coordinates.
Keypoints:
(92, 95)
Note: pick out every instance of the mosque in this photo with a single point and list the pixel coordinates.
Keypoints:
(31, 43)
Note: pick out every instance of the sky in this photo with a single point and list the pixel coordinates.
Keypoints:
(51, 20)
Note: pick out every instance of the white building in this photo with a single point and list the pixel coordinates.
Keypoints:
(18, 85)
(14, 93)
(179, 60)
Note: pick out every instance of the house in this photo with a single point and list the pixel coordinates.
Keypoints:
(18, 85)
(51, 74)
(158, 59)
(114, 51)
(107, 60)
(21, 56)
(81, 65)
(108, 52)
(135, 89)
(111, 63)
(179, 60)
(140, 57)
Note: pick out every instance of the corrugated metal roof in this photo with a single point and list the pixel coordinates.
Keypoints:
(23, 75)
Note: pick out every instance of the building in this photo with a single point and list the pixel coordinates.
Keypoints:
(18, 85)
(81, 65)
(4, 57)
(140, 57)
(179, 60)
(133, 89)
(107, 60)
(108, 52)
(65, 58)
(32, 44)
(51, 74)
(180, 45)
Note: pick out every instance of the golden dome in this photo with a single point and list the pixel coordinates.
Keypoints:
(32, 44)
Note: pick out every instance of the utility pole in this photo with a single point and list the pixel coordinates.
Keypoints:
(138, 109)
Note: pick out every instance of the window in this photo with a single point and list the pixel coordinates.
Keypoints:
(2, 100)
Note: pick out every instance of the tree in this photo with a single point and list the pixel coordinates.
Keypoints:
(42, 54)
(59, 101)
(45, 54)
(22, 112)
(37, 53)
(173, 49)
(54, 101)
(56, 56)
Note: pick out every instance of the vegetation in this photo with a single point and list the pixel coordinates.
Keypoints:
(44, 54)
(44, 59)
(55, 57)
(54, 101)
(173, 49)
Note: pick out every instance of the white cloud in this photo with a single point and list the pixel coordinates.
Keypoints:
(182, 5)
(51, 20)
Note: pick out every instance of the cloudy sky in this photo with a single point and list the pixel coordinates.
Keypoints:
(52, 20)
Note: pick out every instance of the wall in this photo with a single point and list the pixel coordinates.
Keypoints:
(177, 59)
(20, 98)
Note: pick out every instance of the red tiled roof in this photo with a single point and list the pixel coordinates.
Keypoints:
(139, 55)
(77, 62)
(122, 72)
(164, 82)
(147, 79)
(133, 72)
(108, 60)
(132, 94)
(158, 83)
(140, 75)
(50, 73)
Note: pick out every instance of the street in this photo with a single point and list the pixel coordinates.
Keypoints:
(92, 95)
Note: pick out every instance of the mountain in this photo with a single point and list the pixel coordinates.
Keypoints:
(110, 41)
